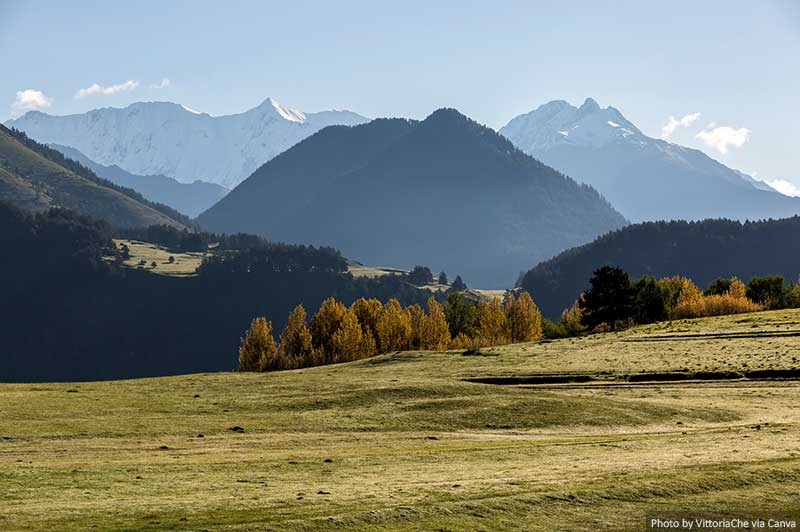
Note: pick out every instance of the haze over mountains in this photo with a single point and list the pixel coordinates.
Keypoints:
(445, 192)
(188, 198)
(35, 178)
(644, 178)
(161, 138)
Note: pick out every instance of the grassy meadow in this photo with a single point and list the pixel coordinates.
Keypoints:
(408, 441)
(185, 264)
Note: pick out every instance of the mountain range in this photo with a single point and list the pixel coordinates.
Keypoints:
(188, 198)
(445, 192)
(36, 178)
(161, 138)
(644, 178)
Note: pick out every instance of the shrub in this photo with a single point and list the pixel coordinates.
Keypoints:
(694, 304)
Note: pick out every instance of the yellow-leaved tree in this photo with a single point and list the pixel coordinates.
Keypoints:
(493, 323)
(524, 318)
(349, 341)
(368, 312)
(258, 351)
(296, 349)
(416, 317)
(324, 325)
(435, 333)
(394, 328)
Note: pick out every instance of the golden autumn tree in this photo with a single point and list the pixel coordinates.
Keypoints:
(493, 323)
(324, 325)
(368, 312)
(524, 318)
(349, 341)
(571, 318)
(296, 349)
(416, 317)
(435, 333)
(394, 328)
(258, 350)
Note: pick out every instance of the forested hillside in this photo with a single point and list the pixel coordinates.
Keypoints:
(702, 251)
(35, 177)
(78, 315)
(445, 191)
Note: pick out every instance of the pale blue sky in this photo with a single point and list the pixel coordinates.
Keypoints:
(735, 62)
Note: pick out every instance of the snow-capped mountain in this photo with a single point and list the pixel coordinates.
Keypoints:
(643, 177)
(161, 138)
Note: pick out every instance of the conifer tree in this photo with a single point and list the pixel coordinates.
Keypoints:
(258, 351)
(296, 349)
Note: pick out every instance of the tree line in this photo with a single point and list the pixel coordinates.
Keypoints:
(337, 333)
(613, 300)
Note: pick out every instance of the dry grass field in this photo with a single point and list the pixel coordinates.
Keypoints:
(185, 264)
(407, 441)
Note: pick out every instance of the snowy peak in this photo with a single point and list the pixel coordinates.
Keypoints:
(164, 138)
(558, 122)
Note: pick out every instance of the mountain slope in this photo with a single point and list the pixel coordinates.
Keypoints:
(702, 251)
(645, 178)
(160, 138)
(188, 198)
(446, 192)
(34, 177)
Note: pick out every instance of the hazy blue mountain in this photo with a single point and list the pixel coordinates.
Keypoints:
(445, 192)
(644, 178)
(162, 138)
(702, 251)
(188, 198)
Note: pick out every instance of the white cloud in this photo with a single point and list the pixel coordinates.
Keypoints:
(111, 89)
(673, 123)
(785, 187)
(163, 84)
(29, 100)
(721, 138)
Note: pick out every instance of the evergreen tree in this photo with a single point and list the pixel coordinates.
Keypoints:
(462, 316)
(458, 285)
(442, 278)
(609, 299)
(649, 301)
(257, 351)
